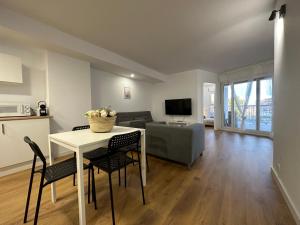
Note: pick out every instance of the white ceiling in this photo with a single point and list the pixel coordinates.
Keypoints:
(167, 35)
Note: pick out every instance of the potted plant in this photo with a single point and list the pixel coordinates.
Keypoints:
(101, 120)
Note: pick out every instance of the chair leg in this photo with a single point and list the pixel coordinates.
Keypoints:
(98, 170)
(74, 177)
(147, 163)
(141, 179)
(132, 158)
(39, 199)
(29, 192)
(119, 177)
(89, 186)
(94, 189)
(111, 199)
(125, 175)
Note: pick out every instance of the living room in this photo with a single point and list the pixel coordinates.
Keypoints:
(147, 73)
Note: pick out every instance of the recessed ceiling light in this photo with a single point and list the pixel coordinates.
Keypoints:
(132, 75)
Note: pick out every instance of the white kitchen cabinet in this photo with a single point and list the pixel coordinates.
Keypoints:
(13, 150)
(10, 68)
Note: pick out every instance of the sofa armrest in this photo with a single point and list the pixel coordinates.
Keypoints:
(170, 142)
(198, 140)
(181, 144)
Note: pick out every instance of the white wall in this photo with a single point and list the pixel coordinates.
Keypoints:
(286, 162)
(249, 72)
(181, 85)
(187, 84)
(69, 91)
(107, 90)
(33, 88)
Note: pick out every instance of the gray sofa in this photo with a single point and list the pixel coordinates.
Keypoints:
(134, 119)
(181, 144)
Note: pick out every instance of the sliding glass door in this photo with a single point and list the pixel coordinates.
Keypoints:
(251, 104)
(245, 105)
(227, 106)
(265, 105)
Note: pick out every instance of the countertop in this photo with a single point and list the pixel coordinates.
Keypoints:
(9, 118)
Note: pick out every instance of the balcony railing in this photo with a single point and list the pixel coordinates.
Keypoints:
(265, 115)
(250, 116)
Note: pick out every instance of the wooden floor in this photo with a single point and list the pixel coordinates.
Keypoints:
(230, 185)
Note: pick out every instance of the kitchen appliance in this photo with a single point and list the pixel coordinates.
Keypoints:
(14, 109)
(42, 109)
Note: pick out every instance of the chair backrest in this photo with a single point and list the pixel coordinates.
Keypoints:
(84, 127)
(36, 149)
(123, 140)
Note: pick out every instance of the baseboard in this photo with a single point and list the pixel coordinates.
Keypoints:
(286, 196)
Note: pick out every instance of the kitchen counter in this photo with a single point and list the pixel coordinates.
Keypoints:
(9, 118)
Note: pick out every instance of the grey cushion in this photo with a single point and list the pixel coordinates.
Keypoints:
(129, 116)
(134, 119)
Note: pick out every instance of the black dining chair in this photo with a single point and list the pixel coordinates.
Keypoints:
(132, 149)
(50, 174)
(91, 155)
(116, 160)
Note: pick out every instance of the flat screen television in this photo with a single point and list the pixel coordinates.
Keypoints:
(179, 107)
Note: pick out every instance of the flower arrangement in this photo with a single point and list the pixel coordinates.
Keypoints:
(102, 112)
(101, 120)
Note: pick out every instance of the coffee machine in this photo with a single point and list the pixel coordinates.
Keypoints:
(42, 109)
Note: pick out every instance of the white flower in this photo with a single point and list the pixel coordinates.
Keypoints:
(112, 113)
(103, 113)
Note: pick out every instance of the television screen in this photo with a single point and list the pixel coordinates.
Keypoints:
(178, 106)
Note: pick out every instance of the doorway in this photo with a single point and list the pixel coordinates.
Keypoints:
(209, 92)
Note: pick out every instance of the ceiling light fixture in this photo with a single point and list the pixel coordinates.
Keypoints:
(282, 12)
(132, 75)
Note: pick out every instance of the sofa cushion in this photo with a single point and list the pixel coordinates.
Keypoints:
(129, 116)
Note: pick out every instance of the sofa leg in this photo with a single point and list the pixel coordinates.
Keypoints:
(201, 154)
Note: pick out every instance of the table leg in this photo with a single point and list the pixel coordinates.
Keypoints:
(51, 160)
(80, 186)
(143, 154)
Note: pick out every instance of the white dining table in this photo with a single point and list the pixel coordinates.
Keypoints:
(83, 141)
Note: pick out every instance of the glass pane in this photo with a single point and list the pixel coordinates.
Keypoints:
(227, 105)
(245, 105)
(266, 105)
